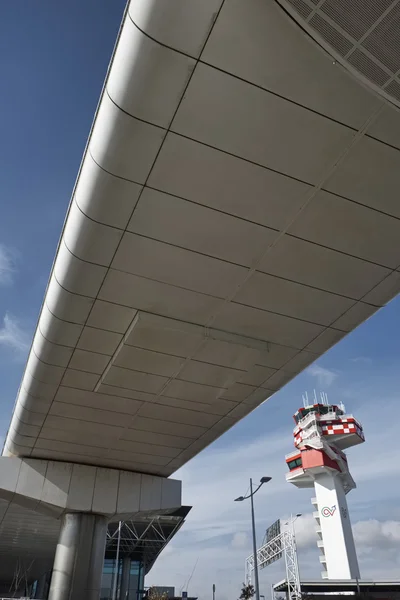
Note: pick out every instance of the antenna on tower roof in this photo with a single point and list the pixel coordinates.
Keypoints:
(307, 400)
(315, 397)
(324, 398)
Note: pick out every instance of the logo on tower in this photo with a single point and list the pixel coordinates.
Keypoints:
(328, 511)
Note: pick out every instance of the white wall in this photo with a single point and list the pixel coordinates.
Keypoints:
(337, 535)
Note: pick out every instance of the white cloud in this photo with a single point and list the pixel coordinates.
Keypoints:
(240, 540)
(369, 535)
(325, 377)
(6, 265)
(13, 337)
(305, 527)
(362, 359)
(378, 545)
(374, 534)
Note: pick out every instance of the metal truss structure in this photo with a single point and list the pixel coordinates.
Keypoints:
(21, 575)
(284, 545)
(144, 538)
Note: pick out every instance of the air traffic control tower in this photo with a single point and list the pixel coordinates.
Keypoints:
(322, 432)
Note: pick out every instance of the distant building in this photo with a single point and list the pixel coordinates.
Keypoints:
(170, 593)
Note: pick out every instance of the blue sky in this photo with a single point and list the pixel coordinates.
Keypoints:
(54, 59)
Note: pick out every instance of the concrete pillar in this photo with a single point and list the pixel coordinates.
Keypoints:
(337, 535)
(78, 563)
(41, 587)
(126, 573)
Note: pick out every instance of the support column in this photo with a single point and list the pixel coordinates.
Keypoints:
(337, 535)
(126, 573)
(41, 587)
(78, 563)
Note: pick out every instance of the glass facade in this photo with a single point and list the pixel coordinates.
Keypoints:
(112, 572)
(136, 581)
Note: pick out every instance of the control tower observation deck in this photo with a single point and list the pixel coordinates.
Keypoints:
(322, 432)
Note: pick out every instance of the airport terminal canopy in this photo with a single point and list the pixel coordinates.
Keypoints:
(235, 215)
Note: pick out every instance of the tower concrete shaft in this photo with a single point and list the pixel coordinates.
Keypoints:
(336, 542)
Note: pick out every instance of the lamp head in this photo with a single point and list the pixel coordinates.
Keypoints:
(239, 499)
(265, 479)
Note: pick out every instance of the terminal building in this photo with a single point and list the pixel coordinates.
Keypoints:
(131, 549)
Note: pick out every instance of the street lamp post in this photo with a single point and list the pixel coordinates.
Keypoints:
(291, 522)
(253, 524)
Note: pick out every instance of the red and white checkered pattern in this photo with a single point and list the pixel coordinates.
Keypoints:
(334, 427)
(342, 428)
(338, 429)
